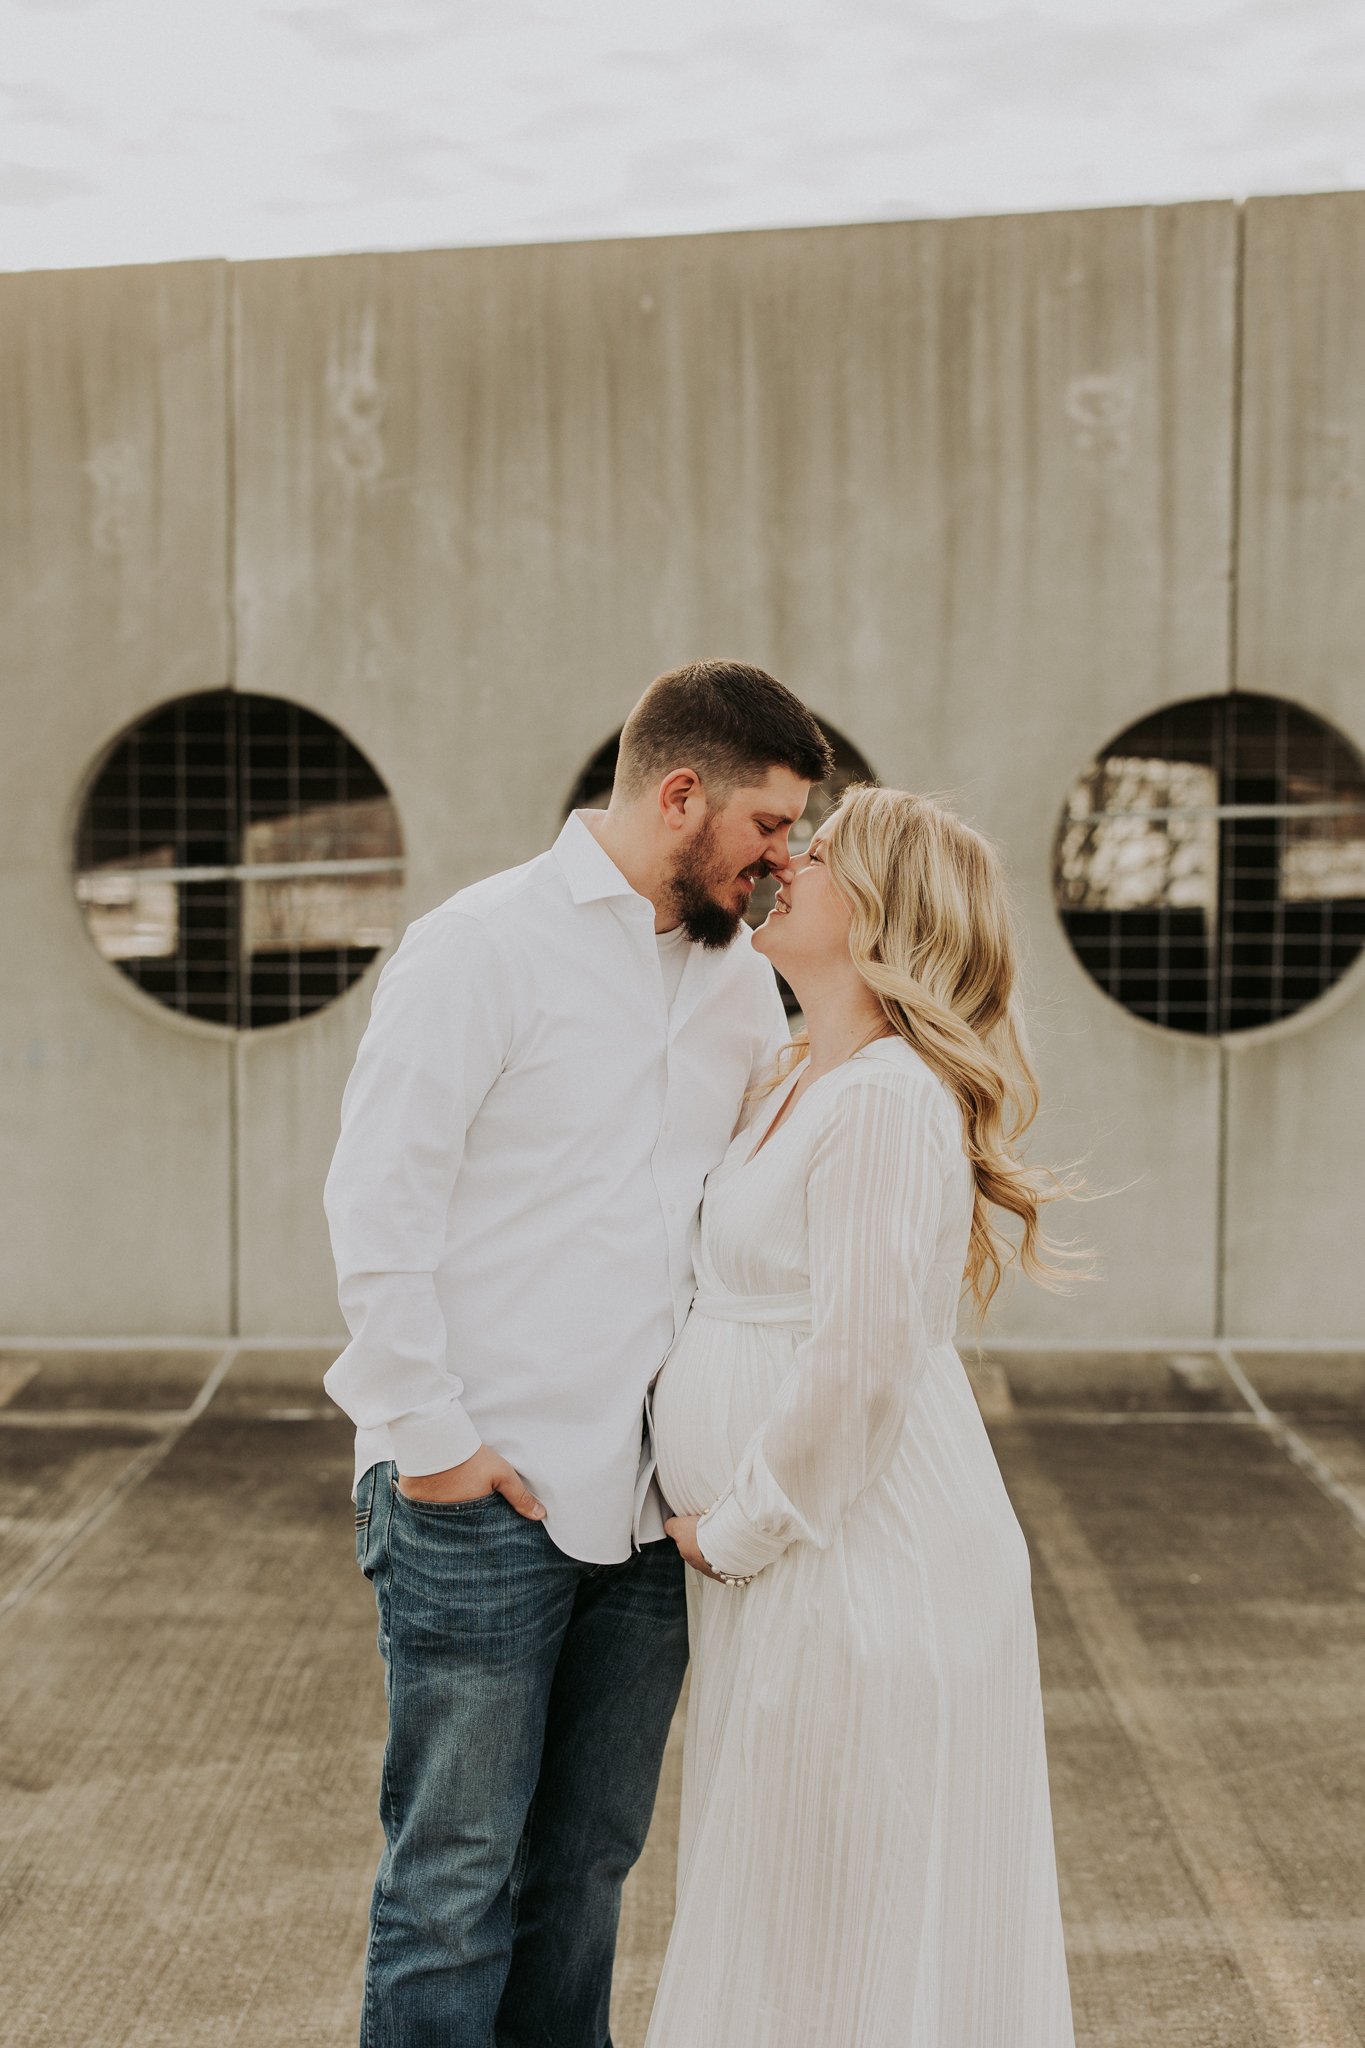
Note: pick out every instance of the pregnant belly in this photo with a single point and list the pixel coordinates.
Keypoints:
(716, 1389)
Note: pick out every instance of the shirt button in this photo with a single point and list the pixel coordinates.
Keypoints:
(668, 1124)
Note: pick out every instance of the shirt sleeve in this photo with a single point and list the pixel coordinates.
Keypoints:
(873, 1198)
(438, 1036)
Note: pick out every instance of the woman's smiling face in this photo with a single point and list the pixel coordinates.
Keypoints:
(809, 923)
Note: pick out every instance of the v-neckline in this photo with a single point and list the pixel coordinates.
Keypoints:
(779, 1113)
(786, 1109)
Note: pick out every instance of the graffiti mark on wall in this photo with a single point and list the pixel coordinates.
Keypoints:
(1100, 407)
(46, 1052)
(115, 485)
(356, 403)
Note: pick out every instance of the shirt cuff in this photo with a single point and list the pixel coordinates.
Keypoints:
(730, 1543)
(424, 1442)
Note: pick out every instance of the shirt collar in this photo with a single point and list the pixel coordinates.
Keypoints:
(590, 872)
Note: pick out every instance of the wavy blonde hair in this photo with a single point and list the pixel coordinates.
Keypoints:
(933, 938)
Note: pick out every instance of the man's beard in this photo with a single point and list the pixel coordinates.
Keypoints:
(695, 874)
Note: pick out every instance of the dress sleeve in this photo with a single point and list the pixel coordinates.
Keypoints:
(873, 1197)
(438, 1036)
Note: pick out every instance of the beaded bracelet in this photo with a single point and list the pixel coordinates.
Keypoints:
(722, 1578)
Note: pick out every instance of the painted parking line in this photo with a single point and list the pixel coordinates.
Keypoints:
(15, 1374)
(1289, 1441)
(105, 1421)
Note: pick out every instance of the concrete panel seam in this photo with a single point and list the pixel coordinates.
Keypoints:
(161, 1341)
(1220, 1197)
(1239, 269)
(231, 355)
(990, 1347)
(1220, 1234)
(1095, 1347)
(236, 1080)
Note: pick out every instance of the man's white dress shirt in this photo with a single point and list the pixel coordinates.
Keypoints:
(514, 1197)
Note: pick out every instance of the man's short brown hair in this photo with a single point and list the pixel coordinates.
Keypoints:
(729, 721)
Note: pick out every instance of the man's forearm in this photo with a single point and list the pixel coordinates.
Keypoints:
(393, 1374)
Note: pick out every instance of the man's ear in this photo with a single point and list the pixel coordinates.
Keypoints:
(681, 798)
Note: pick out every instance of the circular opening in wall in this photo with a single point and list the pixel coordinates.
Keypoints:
(1209, 866)
(592, 791)
(238, 859)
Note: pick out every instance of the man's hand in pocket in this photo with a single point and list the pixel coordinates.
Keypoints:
(477, 1477)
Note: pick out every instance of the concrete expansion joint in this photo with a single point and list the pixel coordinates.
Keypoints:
(1300, 1453)
(1209, 1380)
(69, 1536)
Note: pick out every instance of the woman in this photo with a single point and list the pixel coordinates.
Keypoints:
(866, 1856)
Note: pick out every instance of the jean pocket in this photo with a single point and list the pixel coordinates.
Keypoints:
(445, 1509)
(364, 1507)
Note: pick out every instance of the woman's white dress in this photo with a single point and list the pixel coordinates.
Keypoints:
(866, 1857)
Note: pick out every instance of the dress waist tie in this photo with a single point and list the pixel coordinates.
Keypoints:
(725, 1307)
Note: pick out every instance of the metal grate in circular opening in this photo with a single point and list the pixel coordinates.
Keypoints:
(239, 859)
(1209, 865)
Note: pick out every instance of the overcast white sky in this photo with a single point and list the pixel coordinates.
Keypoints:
(139, 130)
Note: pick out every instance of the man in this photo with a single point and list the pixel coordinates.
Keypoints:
(555, 1060)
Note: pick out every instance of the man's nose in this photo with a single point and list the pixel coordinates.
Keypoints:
(779, 863)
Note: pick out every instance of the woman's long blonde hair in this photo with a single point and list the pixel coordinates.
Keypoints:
(932, 936)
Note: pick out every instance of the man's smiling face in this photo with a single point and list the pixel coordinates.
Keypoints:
(714, 875)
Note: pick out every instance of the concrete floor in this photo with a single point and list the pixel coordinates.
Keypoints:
(191, 1710)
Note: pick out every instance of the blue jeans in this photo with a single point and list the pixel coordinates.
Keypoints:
(530, 1697)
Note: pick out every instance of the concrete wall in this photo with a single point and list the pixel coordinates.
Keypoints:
(968, 486)
(1296, 1098)
(114, 1117)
